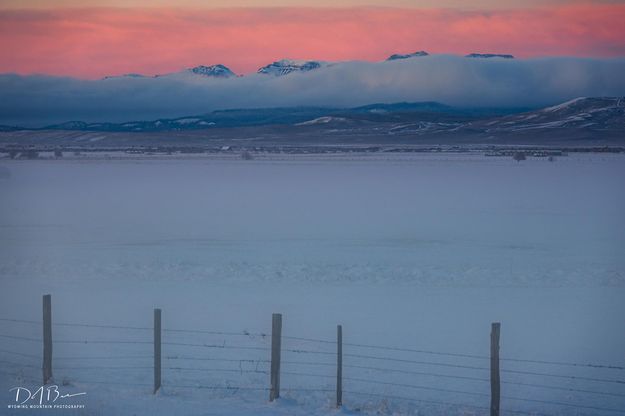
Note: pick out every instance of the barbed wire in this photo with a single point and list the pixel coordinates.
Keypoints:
(20, 364)
(83, 341)
(563, 376)
(321, 341)
(302, 351)
(354, 379)
(430, 374)
(199, 331)
(459, 355)
(104, 368)
(235, 388)
(308, 363)
(108, 357)
(570, 377)
(562, 363)
(121, 383)
(523, 399)
(399, 349)
(23, 321)
(84, 325)
(216, 346)
(125, 383)
(570, 389)
(317, 340)
(486, 380)
(21, 354)
(295, 373)
(21, 338)
(252, 361)
(217, 370)
(306, 389)
(245, 360)
(485, 357)
(265, 336)
(134, 328)
(79, 324)
(402, 360)
(418, 373)
(98, 341)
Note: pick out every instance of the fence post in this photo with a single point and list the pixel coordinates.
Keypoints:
(276, 341)
(494, 369)
(339, 366)
(157, 350)
(47, 338)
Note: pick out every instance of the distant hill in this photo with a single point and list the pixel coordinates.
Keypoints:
(584, 120)
(380, 112)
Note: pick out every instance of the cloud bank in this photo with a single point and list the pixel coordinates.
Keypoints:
(39, 100)
(99, 41)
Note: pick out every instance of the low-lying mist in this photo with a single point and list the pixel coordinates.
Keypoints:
(39, 100)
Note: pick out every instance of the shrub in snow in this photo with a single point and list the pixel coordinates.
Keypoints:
(31, 154)
(519, 156)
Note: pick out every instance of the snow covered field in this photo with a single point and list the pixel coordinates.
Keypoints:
(416, 251)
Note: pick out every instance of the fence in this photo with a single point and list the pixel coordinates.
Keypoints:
(335, 362)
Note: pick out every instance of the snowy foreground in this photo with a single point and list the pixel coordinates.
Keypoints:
(419, 252)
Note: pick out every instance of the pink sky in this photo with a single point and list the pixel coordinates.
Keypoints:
(93, 42)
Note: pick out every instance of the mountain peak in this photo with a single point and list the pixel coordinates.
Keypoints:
(218, 71)
(286, 66)
(489, 55)
(397, 56)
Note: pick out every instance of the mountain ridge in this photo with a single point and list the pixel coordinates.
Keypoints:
(286, 66)
(595, 115)
(237, 117)
(580, 123)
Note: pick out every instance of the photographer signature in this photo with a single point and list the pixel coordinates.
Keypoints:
(48, 394)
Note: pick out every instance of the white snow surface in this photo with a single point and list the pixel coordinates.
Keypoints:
(321, 120)
(564, 104)
(419, 251)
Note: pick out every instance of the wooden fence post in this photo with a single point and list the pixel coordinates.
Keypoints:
(276, 341)
(339, 366)
(47, 338)
(494, 369)
(157, 350)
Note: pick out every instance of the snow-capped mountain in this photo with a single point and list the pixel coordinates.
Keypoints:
(210, 71)
(596, 113)
(397, 56)
(217, 71)
(489, 55)
(283, 67)
(286, 66)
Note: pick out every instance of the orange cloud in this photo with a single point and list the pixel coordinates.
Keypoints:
(94, 42)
